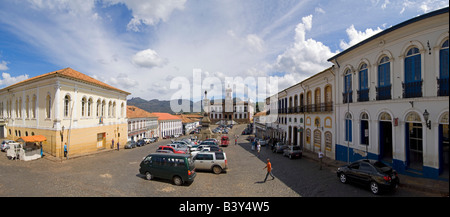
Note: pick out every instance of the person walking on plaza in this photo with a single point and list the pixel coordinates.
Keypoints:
(269, 170)
(320, 159)
(117, 146)
(65, 149)
(258, 147)
(112, 144)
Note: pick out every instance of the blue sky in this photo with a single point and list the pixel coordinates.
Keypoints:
(141, 45)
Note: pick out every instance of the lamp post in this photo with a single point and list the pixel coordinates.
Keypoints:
(426, 116)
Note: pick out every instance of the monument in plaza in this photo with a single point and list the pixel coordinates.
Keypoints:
(206, 132)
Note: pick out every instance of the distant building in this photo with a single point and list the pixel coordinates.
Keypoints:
(141, 124)
(169, 125)
(228, 110)
(67, 107)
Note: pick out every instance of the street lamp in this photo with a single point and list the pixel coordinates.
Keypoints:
(426, 115)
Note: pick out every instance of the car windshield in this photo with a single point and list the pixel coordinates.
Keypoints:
(296, 148)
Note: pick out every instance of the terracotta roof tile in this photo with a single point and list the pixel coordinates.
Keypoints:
(70, 73)
(165, 116)
(135, 112)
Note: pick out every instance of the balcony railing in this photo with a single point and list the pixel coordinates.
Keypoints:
(383, 93)
(412, 89)
(442, 86)
(349, 95)
(363, 95)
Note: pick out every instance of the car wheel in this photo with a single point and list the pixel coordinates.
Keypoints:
(217, 170)
(343, 178)
(374, 187)
(148, 176)
(177, 180)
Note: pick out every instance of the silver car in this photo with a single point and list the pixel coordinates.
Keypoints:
(215, 161)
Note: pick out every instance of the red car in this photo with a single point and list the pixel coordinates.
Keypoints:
(224, 141)
(171, 149)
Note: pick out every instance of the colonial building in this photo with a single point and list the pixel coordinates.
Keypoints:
(392, 97)
(67, 107)
(303, 114)
(229, 110)
(169, 125)
(141, 124)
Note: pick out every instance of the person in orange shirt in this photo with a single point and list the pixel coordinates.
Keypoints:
(269, 170)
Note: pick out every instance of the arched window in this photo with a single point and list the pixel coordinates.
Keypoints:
(363, 92)
(348, 127)
(384, 79)
(348, 93)
(48, 106)
(413, 76)
(317, 99)
(33, 107)
(66, 105)
(364, 131)
(83, 107)
(443, 70)
(89, 107)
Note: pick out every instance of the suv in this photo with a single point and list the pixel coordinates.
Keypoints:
(171, 149)
(178, 167)
(293, 151)
(215, 161)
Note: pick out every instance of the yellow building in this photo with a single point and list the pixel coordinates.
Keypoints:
(67, 107)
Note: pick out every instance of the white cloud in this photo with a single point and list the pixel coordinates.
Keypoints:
(149, 12)
(7, 80)
(357, 36)
(423, 6)
(319, 10)
(305, 56)
(148, 59)
(3, 65)
(255, 42)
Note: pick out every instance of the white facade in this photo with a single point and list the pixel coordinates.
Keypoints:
(392, 81)
(303, 114)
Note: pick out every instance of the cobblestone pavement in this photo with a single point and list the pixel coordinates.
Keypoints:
(115, 173)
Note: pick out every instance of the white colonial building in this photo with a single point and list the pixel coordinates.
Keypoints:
(67, 107)
(303, 114)
(392, 99)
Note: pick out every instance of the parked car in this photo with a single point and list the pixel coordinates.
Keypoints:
(206, 142)
(140, 143)
(262, 142)
(5, 144)
(130, 144)
(371, 173)
(215, 161)
(293, 152)
(224, 141)
(179, 168)
(205, 148)
(279, 147)
(180, 147)
(169, 148)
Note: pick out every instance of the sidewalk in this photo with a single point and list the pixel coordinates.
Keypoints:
(420, 184)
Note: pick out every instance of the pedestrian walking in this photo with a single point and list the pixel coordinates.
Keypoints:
(118, 146)
(65, 149)
(320, 159)
(112, 144)
(269, 170)
(258, 147)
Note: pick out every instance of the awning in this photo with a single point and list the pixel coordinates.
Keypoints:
(35, 138)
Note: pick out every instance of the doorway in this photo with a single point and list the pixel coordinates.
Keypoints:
(385, 140)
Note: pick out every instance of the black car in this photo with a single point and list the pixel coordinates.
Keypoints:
(375, 174)
(140, 143)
